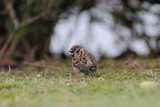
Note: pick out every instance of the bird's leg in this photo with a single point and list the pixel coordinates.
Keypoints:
(79, 77)
(83, 76)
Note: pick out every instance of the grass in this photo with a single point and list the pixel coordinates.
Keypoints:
(117, 84)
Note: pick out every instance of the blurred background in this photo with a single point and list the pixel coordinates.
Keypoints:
(33, 29)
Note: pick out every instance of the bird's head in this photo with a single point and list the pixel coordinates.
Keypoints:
(74, 49)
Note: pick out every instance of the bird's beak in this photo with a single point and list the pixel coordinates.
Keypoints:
(70, 51)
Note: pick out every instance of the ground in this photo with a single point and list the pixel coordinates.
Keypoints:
(49, 83)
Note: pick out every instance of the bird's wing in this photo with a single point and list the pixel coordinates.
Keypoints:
(84, 61)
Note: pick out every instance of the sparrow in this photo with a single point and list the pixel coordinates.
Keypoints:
(83, 62)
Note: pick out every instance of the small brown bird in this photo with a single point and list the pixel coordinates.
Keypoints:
(83, 62)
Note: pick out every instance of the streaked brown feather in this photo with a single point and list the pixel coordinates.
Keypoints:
(84, 61)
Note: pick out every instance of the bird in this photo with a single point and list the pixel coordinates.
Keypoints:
(83, 62)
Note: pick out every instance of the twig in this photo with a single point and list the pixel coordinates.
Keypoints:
(49, 5)
(31, 20)
(8, 73)
(17, 24)
(25, 75)
(37, 17)
(151, 70)
(9, 39)
(156, 69)
(13, 16)
(12, 13)
(9, 70)
(44, 66)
